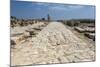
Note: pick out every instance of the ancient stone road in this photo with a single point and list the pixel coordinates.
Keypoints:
(54, 44)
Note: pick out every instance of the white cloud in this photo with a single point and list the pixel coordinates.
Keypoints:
(41, 3)
(53, 6)
(66, 7)
(57, 8)
(76, 6)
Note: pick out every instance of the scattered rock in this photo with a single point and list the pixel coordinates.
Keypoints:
(79, 29)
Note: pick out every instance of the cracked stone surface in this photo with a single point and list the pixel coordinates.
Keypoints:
(53, 44)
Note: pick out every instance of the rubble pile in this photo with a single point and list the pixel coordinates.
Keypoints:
(20, 34)
(53, 44)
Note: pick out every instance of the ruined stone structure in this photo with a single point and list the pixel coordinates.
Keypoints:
(55, 43)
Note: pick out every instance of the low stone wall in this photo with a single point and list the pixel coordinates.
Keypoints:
(90, 35)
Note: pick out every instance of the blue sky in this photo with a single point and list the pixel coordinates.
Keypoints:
(29, 10)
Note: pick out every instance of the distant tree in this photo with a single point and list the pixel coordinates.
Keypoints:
(70, 23)
(76, 23)
(49, 18)
(43, 19)
(12, 17)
